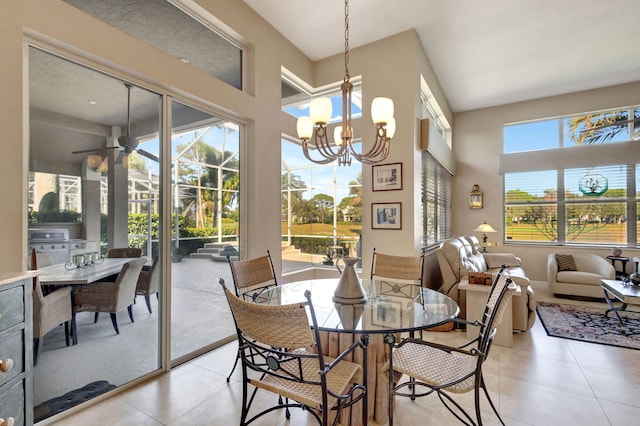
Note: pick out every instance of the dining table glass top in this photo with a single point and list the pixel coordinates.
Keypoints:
(390, 306)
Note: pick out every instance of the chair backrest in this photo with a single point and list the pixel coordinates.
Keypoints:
(500, 293)
(148, 281)
(398, 267)
(275, 331)
(124, 252)
(126, 282)
(251, 276)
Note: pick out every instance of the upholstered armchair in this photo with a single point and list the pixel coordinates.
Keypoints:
(457, 256)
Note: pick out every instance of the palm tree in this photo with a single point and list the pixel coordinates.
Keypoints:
(593, 129)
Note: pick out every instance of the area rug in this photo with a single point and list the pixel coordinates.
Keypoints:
(70, 399)
(588, 324)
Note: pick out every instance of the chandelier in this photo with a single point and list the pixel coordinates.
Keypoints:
(312, 130)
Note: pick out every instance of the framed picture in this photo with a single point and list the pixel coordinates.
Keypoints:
(387, 177)
(386, 215)
(387, 314)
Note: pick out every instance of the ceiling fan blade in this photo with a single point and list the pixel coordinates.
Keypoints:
(82, 151)
(149, 155)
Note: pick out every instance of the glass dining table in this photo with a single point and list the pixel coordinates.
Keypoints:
(391, 308)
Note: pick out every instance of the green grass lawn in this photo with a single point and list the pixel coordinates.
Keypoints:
(615, 233)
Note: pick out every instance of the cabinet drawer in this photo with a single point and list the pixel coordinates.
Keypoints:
(12, 403)
(12, 347)
(11, 307)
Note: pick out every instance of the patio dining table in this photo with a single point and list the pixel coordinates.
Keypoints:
(61, 274)
(391, 308)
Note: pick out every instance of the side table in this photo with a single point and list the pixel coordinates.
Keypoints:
(623, 261)
(476, 301)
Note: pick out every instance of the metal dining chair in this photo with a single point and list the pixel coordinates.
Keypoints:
(282, 354)
(250, 278)
(446, 370)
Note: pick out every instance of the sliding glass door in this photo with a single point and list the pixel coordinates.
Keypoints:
(205, 159)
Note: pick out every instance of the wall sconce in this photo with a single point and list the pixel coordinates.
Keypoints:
(475, 198)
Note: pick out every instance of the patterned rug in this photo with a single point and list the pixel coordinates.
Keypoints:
(70, 399)
(588, 324)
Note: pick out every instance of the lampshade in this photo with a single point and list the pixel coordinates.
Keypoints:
(381, 110)
(320, 110)
(304, 127)
(391, 128)
(94, 161)
(485, 227)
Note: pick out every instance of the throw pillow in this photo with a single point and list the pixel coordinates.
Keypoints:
(566, 262)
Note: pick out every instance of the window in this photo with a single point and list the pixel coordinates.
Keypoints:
(569, 180)
(321, 209)
(436, 178)
(436, 201)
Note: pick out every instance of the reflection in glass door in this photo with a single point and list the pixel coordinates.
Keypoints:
(93, 173)
(205, 171)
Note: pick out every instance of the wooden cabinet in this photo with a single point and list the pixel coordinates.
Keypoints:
(16, 349)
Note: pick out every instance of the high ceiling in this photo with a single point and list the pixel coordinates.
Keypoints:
(484, 52)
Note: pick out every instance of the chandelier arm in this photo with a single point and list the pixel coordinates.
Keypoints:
(305, 151)
(323, 145)
(378, 151)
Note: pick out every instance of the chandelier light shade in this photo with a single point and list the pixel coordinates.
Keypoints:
(312, 130)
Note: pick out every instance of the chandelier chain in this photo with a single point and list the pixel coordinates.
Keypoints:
(346, 40)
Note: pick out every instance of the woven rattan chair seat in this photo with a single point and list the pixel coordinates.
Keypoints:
(436, 367)
(339, 379)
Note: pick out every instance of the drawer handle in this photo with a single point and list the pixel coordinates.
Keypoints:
(8, 422)
(5, 366)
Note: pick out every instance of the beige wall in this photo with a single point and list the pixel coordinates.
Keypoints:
(477, 143)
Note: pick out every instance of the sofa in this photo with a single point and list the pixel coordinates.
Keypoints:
(457, 256)
(578, 274)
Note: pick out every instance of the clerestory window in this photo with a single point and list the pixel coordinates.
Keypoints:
(573, 180)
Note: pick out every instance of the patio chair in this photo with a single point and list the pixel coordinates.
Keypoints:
(281, 354)
(48, 311)
(251, 277)
(149, 282)
(110, 297)
(449, 370)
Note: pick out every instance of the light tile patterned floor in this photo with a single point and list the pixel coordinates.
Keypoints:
(540, 381)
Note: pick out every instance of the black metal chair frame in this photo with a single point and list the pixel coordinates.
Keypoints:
(481, 351)
(252, 294)
(287, 365)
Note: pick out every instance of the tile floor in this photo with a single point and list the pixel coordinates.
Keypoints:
(540, 381)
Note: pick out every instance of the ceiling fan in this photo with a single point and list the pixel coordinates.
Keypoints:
(127, 142)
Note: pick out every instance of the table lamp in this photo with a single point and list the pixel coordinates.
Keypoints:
(484, 228)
